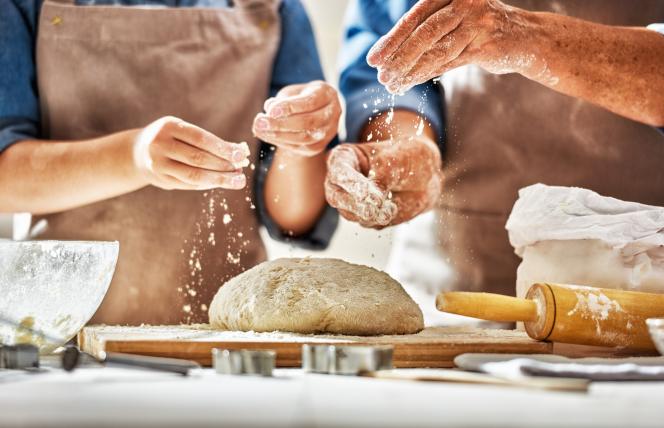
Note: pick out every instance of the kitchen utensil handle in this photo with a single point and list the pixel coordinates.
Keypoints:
(170, 365)
(486, 306)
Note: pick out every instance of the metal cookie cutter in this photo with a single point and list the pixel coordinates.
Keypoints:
(21, 356)
(346, 360)
(244, 362)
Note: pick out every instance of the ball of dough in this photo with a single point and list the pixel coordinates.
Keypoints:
(315, 296)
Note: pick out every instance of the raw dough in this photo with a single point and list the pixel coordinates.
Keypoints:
(315, 296)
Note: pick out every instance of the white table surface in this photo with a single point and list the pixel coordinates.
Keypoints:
(117, 397)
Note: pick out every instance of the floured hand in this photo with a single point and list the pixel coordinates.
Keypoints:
(436, 36)
(173, 154)
(357, 197)
(301, 119)
(384, 183)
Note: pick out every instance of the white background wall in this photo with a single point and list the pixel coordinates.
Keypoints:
(351, 242)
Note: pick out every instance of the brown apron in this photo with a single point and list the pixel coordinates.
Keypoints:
(506, 132)
(105, 69)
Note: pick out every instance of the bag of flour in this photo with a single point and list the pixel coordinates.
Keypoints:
(575, 236)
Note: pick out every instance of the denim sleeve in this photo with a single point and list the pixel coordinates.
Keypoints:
(19, 105)
(297, 61)
(366, 21)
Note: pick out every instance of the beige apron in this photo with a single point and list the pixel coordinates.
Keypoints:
(506, 132)
(106, 69)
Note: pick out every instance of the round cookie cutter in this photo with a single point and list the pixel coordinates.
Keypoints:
(244, 362)
(346, 360)
(21, 356)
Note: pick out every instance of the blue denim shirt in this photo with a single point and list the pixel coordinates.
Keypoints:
(297, 61)
(366, 22)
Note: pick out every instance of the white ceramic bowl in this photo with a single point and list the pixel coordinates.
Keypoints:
(52, 288)
(656, 327)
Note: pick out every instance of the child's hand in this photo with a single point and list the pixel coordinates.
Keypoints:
(173, 154)
(301, 119)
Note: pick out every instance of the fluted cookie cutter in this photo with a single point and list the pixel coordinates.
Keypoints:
(346, 360)
(244, 362)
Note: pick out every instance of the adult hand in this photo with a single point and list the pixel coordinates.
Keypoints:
(436, 36)
(173, 154)
(384, 183)
(301, 119)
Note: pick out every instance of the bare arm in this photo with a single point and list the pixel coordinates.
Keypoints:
(402, 125)
(294, 194)
(46, 176)
(300, 121)
(49, 176)
(618, 68)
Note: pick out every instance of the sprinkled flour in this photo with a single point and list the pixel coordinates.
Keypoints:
(595, 305)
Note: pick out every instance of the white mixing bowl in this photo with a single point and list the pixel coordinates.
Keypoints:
(50, 289)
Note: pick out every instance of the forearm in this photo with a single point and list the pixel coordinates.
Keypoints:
(410, 147)
(618, 68)
(398, 125)
(294, 192)
(48, 176)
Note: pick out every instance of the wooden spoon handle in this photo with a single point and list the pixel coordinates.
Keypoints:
(486, 306)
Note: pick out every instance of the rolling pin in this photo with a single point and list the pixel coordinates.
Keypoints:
(567, 313)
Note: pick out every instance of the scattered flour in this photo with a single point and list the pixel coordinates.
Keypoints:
(596, 306)
(420, 127)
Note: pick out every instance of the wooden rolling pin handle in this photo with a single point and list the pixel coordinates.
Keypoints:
(486, 306)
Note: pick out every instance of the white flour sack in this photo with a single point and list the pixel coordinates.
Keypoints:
(569, 235)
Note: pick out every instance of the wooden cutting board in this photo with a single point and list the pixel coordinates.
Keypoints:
(432, 347)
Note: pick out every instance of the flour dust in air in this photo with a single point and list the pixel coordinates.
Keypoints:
(208, 245)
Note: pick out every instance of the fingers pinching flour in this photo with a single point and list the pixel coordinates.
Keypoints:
(173, 154)
(301, 119)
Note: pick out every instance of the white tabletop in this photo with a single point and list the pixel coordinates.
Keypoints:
(113, 397)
